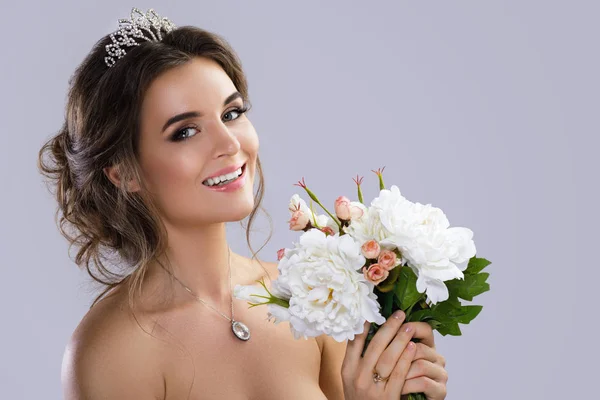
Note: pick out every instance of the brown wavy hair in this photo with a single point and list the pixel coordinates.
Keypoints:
(101, 129)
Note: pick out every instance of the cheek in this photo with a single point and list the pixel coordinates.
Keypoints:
(172, 173)
(250, 144)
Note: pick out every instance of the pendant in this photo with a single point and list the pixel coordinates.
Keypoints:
(240, 330)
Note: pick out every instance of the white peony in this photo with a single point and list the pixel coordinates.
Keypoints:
(368, 227)
(328, 294)
(422, 234)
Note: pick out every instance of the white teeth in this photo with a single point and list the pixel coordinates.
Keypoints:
(222, 178)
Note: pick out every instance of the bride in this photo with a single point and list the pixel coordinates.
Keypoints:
(155, 156)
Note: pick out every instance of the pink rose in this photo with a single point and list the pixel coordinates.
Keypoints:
(342, 208)
(299, 220)
(280, 254)
(387, 259)
(345, 210)
(371, 249)
(376, 273)
(327, 231)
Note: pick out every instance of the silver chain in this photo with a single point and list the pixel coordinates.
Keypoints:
(205, 303)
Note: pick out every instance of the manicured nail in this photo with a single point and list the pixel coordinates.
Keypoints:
(398, 314)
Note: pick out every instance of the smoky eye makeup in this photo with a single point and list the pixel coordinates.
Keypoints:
(182, 133)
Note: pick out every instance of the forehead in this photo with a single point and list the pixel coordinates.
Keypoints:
(198, 85)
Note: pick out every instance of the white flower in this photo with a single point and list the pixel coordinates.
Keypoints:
(368, 227)
(328, 294)
(422, 234)
(259, 295)
(319, 220)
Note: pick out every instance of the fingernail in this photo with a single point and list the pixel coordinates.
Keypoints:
(398, 314)
(411, 345)
(407, 328)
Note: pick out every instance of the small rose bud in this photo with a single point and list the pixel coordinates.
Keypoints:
(327, 231)
(280, 254)
(387, 259)
(299, 220)
(346, 210)
(371, 249)
(342, 208)
(376, 273)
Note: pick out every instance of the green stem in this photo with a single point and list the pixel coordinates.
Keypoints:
(271, 299)
(360, 195)
(381, 185)
(316, 200)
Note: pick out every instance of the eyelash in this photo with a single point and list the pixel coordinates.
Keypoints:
(176, 136)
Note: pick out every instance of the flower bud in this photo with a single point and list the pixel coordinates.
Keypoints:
(345, 210)
(327, 231)
(280, 254)
(299, 220)
(375, 273)
(371, 249)
(387, 259)
(342, 208)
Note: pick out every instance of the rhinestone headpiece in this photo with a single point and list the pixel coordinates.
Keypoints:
(146, 27)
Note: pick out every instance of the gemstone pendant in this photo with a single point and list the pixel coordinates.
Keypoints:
(240, 330)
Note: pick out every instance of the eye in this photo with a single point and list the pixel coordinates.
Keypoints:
(239, 111)
(183, 134)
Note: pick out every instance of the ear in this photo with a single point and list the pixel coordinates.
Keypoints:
(114, 176)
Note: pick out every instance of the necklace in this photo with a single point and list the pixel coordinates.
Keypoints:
(240, 330)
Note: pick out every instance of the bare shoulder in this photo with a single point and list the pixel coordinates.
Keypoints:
(257, 269)
(271, 267)
(109, 355)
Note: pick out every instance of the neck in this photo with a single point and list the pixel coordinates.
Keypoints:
(199, 258)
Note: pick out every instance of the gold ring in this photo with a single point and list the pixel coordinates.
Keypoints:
(378, 378)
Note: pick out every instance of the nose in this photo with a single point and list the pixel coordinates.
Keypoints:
(226, 142)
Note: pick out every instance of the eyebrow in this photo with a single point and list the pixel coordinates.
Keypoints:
(191, 114)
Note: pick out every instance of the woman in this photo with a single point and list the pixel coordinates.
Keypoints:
(156, 154)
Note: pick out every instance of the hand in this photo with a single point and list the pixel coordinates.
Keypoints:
(390, 353)
(427, 372)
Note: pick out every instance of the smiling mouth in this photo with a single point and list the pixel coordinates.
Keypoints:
(225, 179)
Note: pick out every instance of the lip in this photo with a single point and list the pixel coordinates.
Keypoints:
(232, 186)
(224, 171)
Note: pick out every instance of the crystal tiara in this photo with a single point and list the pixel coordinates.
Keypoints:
(141, 26)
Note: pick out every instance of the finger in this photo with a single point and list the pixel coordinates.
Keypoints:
(423, 384)
(423, 332)
(427, 368)
(389, 358)
(354, 347)
(385, 334)
(427, 353)
(397, 378)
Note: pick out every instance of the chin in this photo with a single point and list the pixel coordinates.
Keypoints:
(240, 212)
(235, 210)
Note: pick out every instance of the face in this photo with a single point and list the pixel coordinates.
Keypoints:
(194, 139)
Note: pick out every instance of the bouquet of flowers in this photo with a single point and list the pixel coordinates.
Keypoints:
(364, 263)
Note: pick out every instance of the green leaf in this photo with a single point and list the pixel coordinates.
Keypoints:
(450, 329)
(434, 324)
(421, 315)
(406, 288)
(470, 286)
(476, 265)
(388, 302)
(447, 312)
(397, 302)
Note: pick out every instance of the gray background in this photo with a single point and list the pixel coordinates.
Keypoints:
(482, 108)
